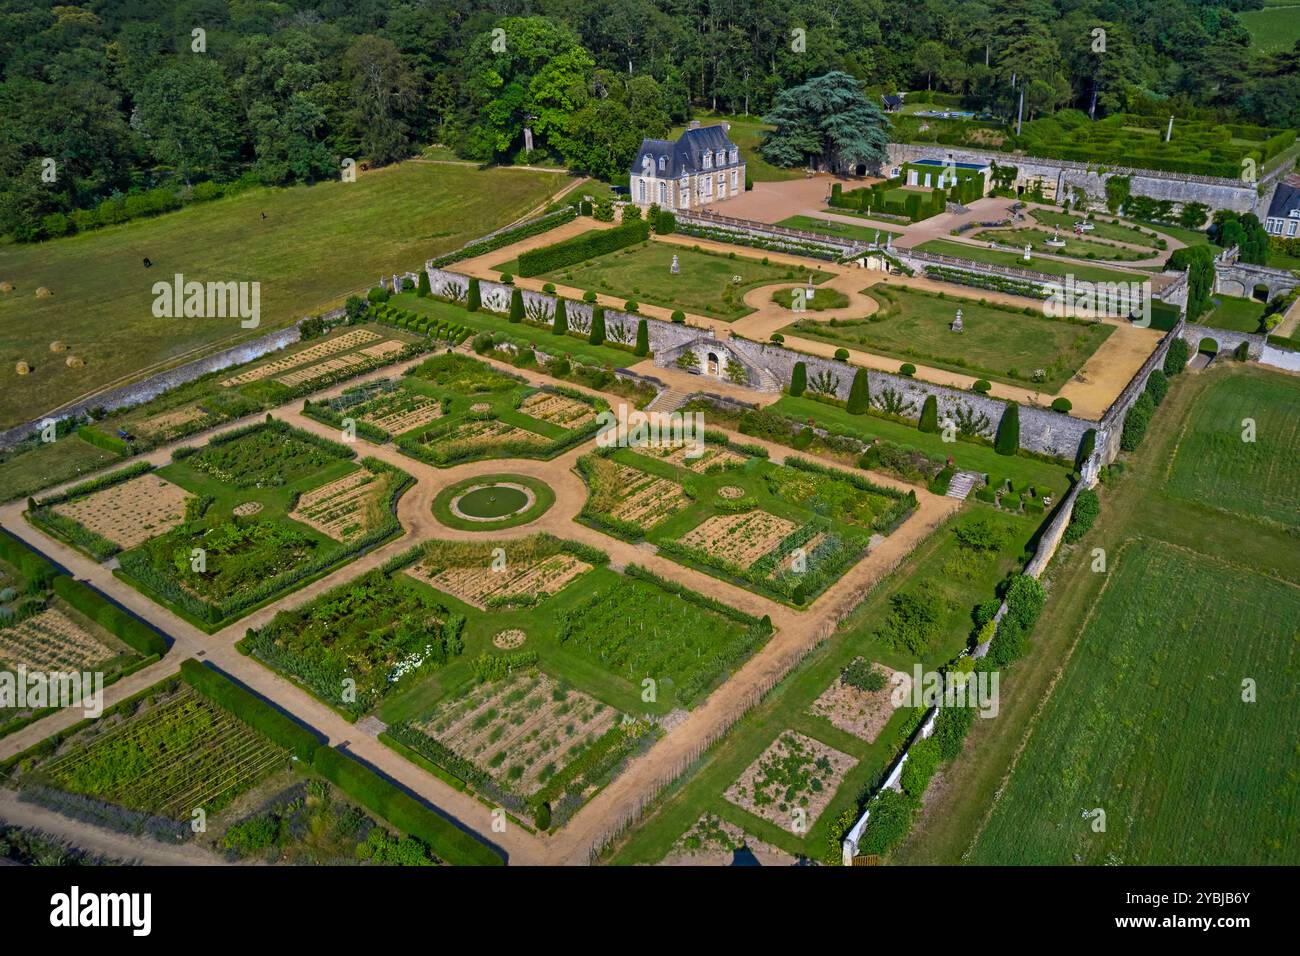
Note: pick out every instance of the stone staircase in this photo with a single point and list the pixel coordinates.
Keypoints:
(963, 483)
(669, 400)
(767, 382)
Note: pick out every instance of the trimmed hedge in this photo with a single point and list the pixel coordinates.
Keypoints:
(31, 564)
(133, 632)
(252, 710)
(507, 237)
(586, 246)
(379, 795)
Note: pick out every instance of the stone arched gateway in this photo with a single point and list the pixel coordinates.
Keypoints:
(709, 357)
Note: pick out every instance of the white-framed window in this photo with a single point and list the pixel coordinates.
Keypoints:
(708, 160)
(708, 186)
(722, 157)
(927, 179)
(685, 198)
(735, 180)
(661, 164)
(735, 155)
(1290, 227)
(640, 183)
(911, 177)
(663, 193)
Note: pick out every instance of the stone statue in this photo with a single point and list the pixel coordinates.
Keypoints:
(1026, 252)
(675, 268)
(956, 325)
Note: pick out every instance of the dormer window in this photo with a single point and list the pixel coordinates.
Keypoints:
(708, 160)
(661, 164)
(722, 157)
(735, 154)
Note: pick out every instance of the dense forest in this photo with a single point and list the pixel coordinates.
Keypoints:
(143, 104)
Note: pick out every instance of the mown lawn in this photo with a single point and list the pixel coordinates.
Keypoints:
(1080, 248)
(1234, 314)
(1216, 466)
(998, 343)
(1037, 263)
(831, 227)
(1149, 724)
(315, 245)
(1101, 229)
(705, 284)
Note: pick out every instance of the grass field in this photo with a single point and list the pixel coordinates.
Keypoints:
(1275, 28)
(1101, 228)
(315, 245)
(831, 227)
(1016, 260)
(1215, 467)
(1234, 314)
(1148, 723)
(704, 285)
(998, 343)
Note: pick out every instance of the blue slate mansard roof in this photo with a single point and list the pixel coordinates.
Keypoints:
(1285, 199)
(685, 156)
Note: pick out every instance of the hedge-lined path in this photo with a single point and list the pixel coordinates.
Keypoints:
(795, 631)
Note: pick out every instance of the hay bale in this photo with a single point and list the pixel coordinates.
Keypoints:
(57, 346)
(43, 293)
(6, 287)
(73, 362)
(22, 368)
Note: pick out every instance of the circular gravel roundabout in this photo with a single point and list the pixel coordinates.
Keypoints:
(492, 502)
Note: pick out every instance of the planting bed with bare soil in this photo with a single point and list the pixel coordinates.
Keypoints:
(535, 569)
(859, 712)
(741, 538)
(51, 641)
(129, 513)
(557, 409)
(792, 780)
(308, 355)
(346, 507)
(714, 841)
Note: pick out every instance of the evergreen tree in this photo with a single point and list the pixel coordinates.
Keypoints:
(516, 306)
(929, 415)
(859, 394)
(798, 379)
(422, 288)
(642, 339)
(561, 323)
(597, 336)
(1007, 440)
(474, 298)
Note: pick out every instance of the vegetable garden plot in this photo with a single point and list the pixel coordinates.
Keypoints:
(520, 582)
(346, 507)
(855, 710)
(129, 513)
(715, 457)
(740, 538)
(184, 754)
(791, 781)
(460, 373)
(481, 435)
(320, 369)
(311, 354)
(631, 495)
(51, 641)
(399, 411)
(521, 730)
(713, 841)
(558, 409)
(265, 456)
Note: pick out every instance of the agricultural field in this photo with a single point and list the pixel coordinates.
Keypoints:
(1214, 466)
(1036, 263)
(1274, 29)
(998, 342)
(829, 707)
(270, 507)
(711, 284)
(211, 400)
(286, 239)
(484, 414)
(783, 532)
(1175, 633)
(155, 764)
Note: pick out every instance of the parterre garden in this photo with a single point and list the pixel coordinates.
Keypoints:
(1016, 346)
(785, 532)
(231, 524)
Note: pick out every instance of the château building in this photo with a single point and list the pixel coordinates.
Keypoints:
(702, 167)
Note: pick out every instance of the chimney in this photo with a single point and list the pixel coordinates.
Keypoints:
(695, 124)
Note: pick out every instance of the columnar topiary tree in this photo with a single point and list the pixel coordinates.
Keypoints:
(1007, 439)
(859, 394)
(597, 336)
(561, 323)
(642, 339)
(474, 297)
(422, 288)
(516, 305)
(798, 379)
(929, 415)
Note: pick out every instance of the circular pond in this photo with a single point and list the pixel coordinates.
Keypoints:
(490, 502)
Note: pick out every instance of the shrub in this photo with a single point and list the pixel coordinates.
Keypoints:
(548, 287)
(982, 386)
(1136, 422)
(1086, 508)
(679, 317)
(859, 393)
(474, 297)
(929, 415)
(1177, 356)
(422, 288)
(631, 306)
(907, 368)
(666, 223)
(841, 355)
(133, 632)
(597, 335)
(507, 279)
(586, 246)
(1087, 445)
(1007, 440)
(589, 296)
(1157, 386)
(377, 296)
(798, 379)
(542, 816)
(1025, 598)
(516, 306)
(1062, 405)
